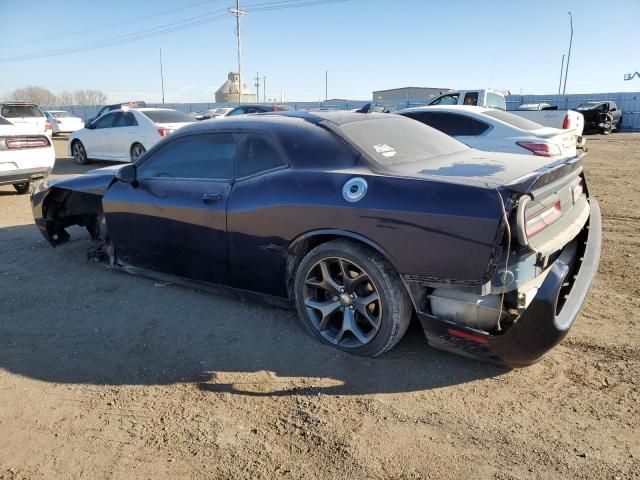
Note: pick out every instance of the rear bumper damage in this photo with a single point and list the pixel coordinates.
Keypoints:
(547, 319)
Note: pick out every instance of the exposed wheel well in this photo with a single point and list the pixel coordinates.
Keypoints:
(299, 248)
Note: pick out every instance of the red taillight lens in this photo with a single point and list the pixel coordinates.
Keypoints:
(16, 143)
(578, 190)
(47, 125)
(541, 220)
(163, 132)
(566, 124)
(541, 149)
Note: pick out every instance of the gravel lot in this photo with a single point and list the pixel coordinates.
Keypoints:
(105, 375)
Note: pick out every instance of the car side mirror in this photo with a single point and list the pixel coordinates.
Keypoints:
(612, 109)
(127, 173)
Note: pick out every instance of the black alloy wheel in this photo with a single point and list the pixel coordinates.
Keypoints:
(137, 150)
(349, 297)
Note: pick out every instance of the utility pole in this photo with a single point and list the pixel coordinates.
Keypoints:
(264, 88)
(326, 85)
(257, 84)
(566, 72)
(161, 76)
(238, 13)
(561, 68)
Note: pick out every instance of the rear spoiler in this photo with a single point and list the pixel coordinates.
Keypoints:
(547, 175)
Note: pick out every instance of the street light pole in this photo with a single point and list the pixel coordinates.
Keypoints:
(326, 85)
(161, 76)
(238, 13)
(566, 72)
(561, 69)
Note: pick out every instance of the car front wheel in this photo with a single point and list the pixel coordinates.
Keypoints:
(349, 297)
(79, 153)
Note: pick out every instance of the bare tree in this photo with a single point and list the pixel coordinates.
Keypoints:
(89, 97)
(65, 98)
(33, 94)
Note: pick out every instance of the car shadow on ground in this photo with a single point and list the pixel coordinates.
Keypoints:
(67, 319)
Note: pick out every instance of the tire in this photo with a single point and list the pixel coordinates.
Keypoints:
(372, 311)
(24, 187)
(137, 150)
(79, 153)
(607, 129)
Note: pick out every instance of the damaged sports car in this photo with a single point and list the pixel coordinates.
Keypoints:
(361, 221)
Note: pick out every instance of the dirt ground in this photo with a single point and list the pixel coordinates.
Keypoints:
(105, 375)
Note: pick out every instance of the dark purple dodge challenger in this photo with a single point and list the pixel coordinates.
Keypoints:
(362, 221)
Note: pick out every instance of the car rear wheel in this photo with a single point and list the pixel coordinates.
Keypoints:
(79, 153)
(22, 188)
(349, 297)
(137, 150)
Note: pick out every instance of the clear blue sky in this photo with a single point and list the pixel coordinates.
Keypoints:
(365, 45)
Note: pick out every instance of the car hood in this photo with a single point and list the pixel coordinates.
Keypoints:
(475, 167)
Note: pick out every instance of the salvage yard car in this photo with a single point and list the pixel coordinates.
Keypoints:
(361, 221)
(124, 135)
(63, 122)
(25, 157)
(601, 116)
(28, 116)
(496, 130)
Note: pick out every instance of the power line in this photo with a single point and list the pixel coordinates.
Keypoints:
(186, 23)
(103, 27)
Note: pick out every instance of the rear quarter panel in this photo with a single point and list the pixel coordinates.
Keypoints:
(427, 228)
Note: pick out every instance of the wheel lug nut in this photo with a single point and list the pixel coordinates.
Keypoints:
(342, 290)
(351, 307)
(352, 296)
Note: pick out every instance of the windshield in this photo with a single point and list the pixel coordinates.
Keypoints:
(17, 111)
(4, 121)
(513, 120)
(61, 114)
(221, 111)
(589, 105)
(167, 116)
(391, 140)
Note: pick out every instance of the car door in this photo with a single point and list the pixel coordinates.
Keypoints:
(122, 135)
(172, 219)
(96, 139)
(261, 173)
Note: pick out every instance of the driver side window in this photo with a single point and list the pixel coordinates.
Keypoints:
(105, 121)
(206, 157)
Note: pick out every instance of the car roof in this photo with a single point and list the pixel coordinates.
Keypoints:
(18, 104)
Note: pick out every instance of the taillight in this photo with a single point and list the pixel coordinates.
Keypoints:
(18, 143)
(578, 190)
(566, 124)
(541, 149)
(47, 125)
(164, 132)
(542, 219)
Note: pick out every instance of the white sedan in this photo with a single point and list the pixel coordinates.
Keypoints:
(24, 156)
(124, 135)
(495, 130)
(63, 122)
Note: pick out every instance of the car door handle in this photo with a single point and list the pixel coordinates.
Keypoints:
(211, 198)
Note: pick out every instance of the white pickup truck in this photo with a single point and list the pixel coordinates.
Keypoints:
(541, 113)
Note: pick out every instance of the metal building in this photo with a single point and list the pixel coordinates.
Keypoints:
(228, 92)
(408, 95)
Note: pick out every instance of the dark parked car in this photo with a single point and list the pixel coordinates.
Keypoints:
(601, 116)
(245, 109)
(117, 106)
(359, 220)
